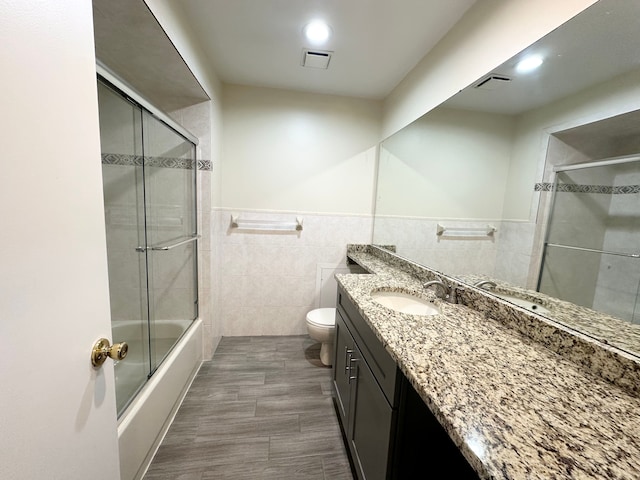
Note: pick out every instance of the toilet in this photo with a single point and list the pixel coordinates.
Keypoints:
(321, 323)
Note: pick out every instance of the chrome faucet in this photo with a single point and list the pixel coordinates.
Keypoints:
(485, 284)
(443, 291)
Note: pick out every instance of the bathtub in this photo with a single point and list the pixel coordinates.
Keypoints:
(145, 421)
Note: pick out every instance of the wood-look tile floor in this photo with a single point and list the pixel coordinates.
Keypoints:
(261, 409)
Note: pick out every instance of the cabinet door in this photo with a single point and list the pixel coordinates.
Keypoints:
(371, 422)
(342, 369)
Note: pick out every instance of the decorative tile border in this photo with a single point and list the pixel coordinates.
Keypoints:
(205, 165)
(573, 188)
(161, 162)
(121, 159)
(627, 189)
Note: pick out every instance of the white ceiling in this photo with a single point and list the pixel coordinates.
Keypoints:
(595, 46)
(376, 42)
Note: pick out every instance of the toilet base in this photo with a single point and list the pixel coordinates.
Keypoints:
(321, 325)
(326, 353)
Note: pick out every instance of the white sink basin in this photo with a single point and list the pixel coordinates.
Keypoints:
(528, 304)
(405, 303)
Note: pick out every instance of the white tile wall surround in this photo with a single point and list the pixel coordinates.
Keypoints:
(515, 246)
(197, 119)
(416, 238)
(266, 281)
(506, 255)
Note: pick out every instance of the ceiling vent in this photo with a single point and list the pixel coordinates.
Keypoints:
(492, 82)
(316, 58)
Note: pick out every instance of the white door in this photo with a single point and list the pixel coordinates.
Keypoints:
(57, 413)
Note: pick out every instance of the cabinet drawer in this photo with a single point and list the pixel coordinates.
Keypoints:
(382, 366)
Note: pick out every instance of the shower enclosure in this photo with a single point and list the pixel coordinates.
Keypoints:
(149, 177)
(592, 250)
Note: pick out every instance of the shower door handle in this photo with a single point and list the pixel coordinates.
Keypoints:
(193, 238)
(103, 349)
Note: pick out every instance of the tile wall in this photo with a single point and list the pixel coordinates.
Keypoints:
(267, 280)
(416, 238)
(618, 281)
(197, 119)
(515, 244)
(505, 255)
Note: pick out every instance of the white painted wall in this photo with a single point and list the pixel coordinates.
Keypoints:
(491, 32)
(295, 151)
(57, 414)
(443, 161)
(448, 164)
(287, 154)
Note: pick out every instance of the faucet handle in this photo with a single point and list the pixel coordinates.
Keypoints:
(485, 284)
(443, 290)
(436, 279)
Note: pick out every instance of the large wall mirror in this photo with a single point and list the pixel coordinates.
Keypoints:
(471, 188)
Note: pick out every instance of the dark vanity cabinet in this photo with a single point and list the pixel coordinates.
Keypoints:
(389, 431)
(366, 414)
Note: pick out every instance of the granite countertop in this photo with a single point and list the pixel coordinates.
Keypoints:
(516, 409)
(606, 328)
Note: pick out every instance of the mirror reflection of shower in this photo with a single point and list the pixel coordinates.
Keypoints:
(592, 250)
(149, 175)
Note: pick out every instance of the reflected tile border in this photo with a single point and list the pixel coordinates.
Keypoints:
(574, 188)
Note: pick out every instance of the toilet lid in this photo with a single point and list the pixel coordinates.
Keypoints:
(324, 317)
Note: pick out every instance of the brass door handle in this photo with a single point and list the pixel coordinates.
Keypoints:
(103, 349)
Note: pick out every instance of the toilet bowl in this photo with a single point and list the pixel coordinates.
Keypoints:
(321, 323)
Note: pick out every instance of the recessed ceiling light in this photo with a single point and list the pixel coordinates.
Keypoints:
(317, 32)
(529, 64)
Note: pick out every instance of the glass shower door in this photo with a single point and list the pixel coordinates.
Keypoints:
(149, 179)
(170, 189)
(593, 238)
(122, 173)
